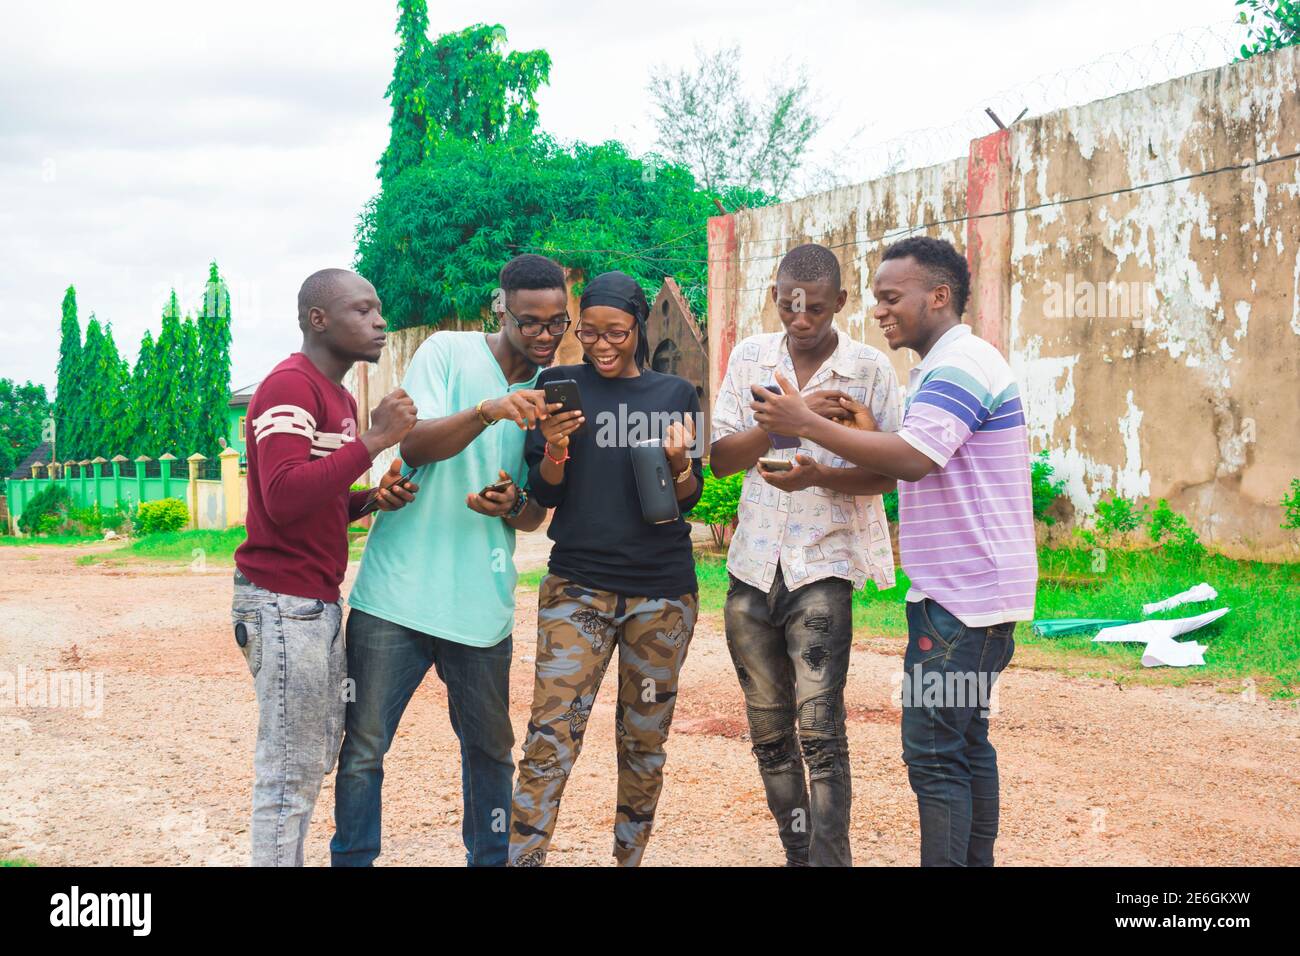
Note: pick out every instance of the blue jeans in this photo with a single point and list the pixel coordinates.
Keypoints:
(949, 670)
(295, 654)
(388, 662)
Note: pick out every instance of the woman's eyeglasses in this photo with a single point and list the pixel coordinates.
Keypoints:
(613, 336)
(531, 328)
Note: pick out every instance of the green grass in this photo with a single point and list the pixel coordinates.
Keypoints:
(12, 541)
(1258, 638)
(215, 547)
(16, 862)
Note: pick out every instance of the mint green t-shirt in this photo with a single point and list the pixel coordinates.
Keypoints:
(435, 565)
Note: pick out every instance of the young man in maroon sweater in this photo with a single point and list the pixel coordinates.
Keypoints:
(303, 456)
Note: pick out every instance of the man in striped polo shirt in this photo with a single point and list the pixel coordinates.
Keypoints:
(966, 532)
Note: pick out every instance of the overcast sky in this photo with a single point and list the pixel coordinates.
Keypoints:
(139, 140)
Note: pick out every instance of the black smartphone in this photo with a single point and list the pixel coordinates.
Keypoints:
(501, 485)
(404, 480)
(564, 392)
(781, 441)
(654, 484)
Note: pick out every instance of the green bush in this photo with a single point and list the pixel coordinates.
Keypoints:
(96, 520)
(1173, 533)
(1116, 519)
(1043, 488)
(169, 514)
(46, 512)
(890, 500)
(1291, 503)
(719, 504)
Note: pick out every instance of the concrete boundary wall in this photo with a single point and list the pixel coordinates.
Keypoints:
(1154, 326)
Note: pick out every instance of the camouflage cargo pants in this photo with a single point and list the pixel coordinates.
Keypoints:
(578, 629)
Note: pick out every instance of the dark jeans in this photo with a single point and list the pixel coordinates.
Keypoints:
(388, 662)
(791, 652)
(949, 671)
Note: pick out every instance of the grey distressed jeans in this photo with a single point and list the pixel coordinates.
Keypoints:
(791, 653)
(294, 647)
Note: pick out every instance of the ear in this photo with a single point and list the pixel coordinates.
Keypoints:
(842, 298)
(940, 296)
(316, 319)
(772, 292)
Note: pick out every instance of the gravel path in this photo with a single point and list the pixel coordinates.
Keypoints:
(1092, 773)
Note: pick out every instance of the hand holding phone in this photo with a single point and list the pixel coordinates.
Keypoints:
(775, 464)
(780, 442)
(396, 490)
(496, 499)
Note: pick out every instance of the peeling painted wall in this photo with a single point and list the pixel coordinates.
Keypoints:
(1155, 331)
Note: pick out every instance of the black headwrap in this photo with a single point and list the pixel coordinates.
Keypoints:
(620, 291)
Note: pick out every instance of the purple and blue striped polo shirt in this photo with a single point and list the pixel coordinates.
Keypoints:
(966, 530)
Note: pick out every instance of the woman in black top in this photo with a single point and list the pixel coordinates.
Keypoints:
(615, 580)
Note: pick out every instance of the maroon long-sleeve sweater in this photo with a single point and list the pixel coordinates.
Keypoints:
(303, 456)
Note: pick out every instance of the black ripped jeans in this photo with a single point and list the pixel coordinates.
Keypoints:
(791, 652)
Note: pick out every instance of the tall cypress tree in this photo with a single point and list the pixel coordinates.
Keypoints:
(189, 399)
(409, 126)
(68, 385)
(214, 364)
(92, 433)
(166, 395)
(112, 400)
(141, 413)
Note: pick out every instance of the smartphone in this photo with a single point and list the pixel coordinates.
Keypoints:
(776, 464)
(781, 441)
(501, 485)
(404, 480)
(564, 392)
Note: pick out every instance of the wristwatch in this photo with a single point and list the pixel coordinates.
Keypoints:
(679, 479)
(482, 416)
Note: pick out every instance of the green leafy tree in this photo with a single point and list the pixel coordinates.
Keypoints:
(434, 240)
(110, 411)
(188, 400)
(24, 410)
(409, 126)
(213, 382)
(1271, 24)
(460, 86)
(735, 146)
(68, 414)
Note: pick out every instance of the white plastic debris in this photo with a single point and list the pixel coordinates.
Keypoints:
(1161, 648)
(1202, 592)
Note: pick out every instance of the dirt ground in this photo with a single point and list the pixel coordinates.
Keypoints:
(1092, 773)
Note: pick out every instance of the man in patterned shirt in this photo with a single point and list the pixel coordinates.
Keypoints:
(966, 531)
(807, 538)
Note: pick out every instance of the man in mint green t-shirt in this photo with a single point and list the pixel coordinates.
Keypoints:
(436, 585)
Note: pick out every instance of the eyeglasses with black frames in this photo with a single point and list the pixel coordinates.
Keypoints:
(531, 328)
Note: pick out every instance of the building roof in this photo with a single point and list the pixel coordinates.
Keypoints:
(40, 453)
(242, 396)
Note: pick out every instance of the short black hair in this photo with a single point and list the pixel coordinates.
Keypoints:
(531, 271)
(317, 290)
(810, 263)
(943, 263)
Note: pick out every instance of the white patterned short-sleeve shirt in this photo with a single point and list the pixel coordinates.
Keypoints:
(815, 533)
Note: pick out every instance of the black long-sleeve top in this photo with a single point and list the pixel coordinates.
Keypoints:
(601, 539)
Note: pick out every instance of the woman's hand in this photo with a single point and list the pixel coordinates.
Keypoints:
(677, 443)
(556, 429)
